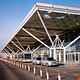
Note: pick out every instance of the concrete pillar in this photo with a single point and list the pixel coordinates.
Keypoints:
(55, 55)
(59, 56)
(50, 52)
(64, 55)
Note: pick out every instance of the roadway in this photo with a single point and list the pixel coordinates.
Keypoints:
(10, 72)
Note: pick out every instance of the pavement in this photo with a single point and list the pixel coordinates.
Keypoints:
(10, 72)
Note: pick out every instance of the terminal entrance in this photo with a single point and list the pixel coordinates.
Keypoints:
(57, 54)
(60, 53)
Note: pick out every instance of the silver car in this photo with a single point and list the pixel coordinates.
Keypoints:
(49, 61)
(36, 60)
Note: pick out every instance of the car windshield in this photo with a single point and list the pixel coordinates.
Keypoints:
(50, 59)
(39, 58)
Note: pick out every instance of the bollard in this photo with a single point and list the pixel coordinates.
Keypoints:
(19, 64)
(34, 69)
(78, 78)
(14, 63)
(47, 73)
(59, 77)
(41, 71)
(25, 67)
(29, 68)
(22, 66)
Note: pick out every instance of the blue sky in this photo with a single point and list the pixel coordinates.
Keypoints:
(12, 12)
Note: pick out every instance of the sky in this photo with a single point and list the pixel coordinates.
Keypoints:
(12, 12)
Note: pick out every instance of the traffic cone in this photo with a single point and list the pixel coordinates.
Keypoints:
(41, 75)
(25, 67)
(78, 78)
(59, 76)
(34, 69)
(20, 64)
(29, 68)
(47, 73)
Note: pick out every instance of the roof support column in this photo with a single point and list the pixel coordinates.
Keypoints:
(44, 26)
(64, 56)
(51, 52)
(16, 46)
(35, 37)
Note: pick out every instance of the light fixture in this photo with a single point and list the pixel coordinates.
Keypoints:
(50, 11)
(60, 17)
(47, 16)
(77, 23)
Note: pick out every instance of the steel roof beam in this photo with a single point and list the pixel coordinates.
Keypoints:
(7, 51)
(35, 37)
(19, 43)
(10, 49)
(72, 41)
(44, 26)
(17, 46)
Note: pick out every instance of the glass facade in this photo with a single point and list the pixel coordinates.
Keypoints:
(73, 52)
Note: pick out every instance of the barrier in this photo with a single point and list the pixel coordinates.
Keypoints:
(22, 66)
(41, 71)
(28, 67)
(47, 74)
(59, 76)
(25, 67)
(78, 78)
(34, 69)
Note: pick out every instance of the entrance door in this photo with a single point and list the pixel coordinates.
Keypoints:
(59, 53)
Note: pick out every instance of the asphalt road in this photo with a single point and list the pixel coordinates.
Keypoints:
(10, 72)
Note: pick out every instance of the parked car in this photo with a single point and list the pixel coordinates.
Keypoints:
(49, 61)
(36, 60)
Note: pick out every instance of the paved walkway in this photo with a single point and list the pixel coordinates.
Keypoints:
(9, 72)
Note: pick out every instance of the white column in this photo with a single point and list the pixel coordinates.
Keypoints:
(50, 52)
(64, 55)
(55, 56)
(59, 56)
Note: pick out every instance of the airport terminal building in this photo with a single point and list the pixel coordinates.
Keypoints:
(48, 30)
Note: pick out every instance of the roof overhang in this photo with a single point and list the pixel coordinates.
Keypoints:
(57, 20)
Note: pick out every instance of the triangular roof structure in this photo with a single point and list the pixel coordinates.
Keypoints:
(41, 24)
